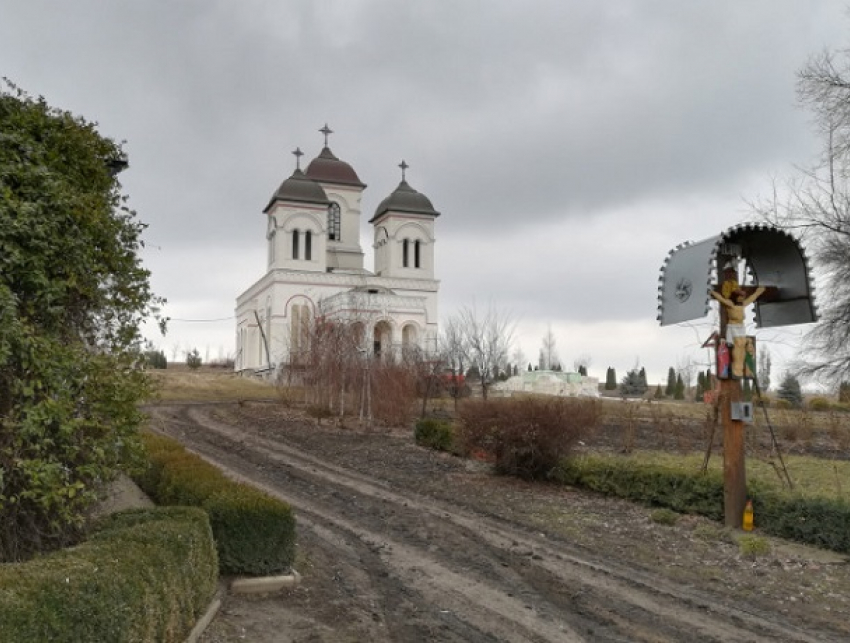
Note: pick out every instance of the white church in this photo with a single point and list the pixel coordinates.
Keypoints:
(315, 267)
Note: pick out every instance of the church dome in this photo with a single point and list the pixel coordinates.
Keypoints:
(299, 187)
(405, 199)
(329, 169)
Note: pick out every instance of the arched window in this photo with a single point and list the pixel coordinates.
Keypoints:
(295, 244)
(404, 253)
(334, 232)
(299, 330)
(416, 253)
(308, 245)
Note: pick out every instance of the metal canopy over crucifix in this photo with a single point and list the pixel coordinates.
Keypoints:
(772, 257)
(782, 294)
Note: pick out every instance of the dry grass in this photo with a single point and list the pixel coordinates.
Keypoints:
(208, 386)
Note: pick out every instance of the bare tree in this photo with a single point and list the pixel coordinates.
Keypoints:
(518, 358)
(489, 335)
(816, 205)
(548, 352)
(454, 349)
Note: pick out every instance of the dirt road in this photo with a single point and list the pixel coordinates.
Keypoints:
(399, 543)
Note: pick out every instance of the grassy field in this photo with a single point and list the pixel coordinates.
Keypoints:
(207, 386)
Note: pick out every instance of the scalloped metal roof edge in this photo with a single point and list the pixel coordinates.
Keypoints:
(728, 237)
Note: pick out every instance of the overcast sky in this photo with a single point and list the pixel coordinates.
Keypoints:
(568, 145)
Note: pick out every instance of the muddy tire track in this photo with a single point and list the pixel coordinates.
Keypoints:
(413, 567)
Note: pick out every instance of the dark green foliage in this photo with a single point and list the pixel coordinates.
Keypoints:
(610, 379)
(844, 392)
(582, 370)
(815, 521)
(155, 359)
(254, 533)
(144, 575)
(72, 295)
(193, 359)
(679, 393)
(701, 386)
(526, 437)
(671, 382)
(649, 484)
(433, 433)
(790, 391)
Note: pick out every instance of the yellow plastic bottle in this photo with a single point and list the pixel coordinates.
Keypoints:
(748, 516)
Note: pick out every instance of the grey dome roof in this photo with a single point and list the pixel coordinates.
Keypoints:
(328, 168)
(299, 187)
(405, 199)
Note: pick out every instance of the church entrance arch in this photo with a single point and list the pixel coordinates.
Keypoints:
(382, 342)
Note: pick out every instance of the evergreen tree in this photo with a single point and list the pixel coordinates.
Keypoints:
(791, 391)
(679, 394)
(193, 359)
(582, 370)
(700, 389)
(642, 379)
(610, 379)
(658, 392)
(633, 383)
(671, 382)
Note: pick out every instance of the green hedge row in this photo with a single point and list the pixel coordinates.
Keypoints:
(654, 485)
(254, 533)
(143, 575)
(822, 522)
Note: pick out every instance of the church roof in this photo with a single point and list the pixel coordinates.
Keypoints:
(405, 199)
(329, 169)
(299, 187)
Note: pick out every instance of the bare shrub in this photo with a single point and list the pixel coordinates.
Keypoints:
(393, 392)
(629, 420)
(527, 437)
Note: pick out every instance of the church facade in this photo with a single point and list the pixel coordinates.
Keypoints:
(315, 268)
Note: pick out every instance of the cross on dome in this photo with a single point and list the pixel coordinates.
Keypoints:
(298, 154)
(403, 165)
(326, 131)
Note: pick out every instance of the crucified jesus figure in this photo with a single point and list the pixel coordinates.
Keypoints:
(736, 332)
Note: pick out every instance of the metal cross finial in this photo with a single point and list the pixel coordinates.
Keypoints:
(298, 154)
(326, 130)
(403, 165)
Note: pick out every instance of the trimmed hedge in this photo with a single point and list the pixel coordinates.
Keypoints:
(654, 485)
(144, 575)
(254, 533)
(433, 433)
(822, 522)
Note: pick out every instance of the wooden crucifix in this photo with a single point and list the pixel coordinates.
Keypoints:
(733, 339)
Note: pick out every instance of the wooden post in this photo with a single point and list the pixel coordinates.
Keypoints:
(734, 464)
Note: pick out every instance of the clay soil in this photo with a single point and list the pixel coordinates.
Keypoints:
(401, 543)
